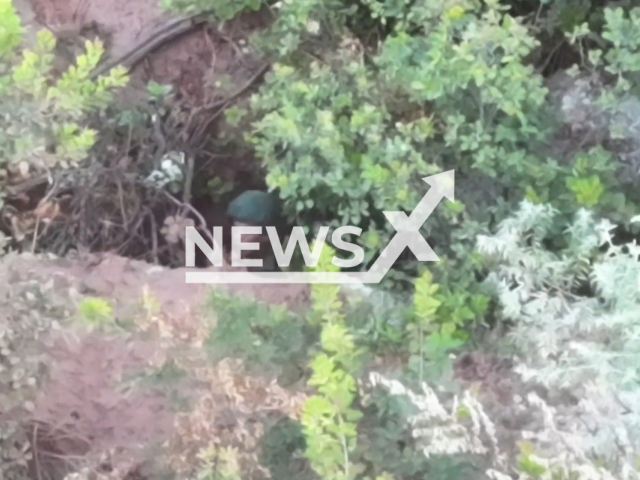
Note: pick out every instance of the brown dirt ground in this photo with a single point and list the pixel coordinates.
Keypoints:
(186, 62)
(81, 407)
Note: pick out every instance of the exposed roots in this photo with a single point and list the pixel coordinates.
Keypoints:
(107, 209)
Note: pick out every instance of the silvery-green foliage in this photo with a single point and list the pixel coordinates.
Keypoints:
(438, 430)
(465, 428)
(576, 316)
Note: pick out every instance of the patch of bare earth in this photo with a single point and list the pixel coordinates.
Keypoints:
(125, 279)
(189, 62)
(87, 409)
(81, 411)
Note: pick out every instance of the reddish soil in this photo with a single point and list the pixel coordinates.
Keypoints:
(82, 408)
(189, 62)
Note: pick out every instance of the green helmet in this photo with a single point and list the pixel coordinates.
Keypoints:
(255, 207)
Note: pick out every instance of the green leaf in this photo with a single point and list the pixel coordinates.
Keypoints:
(587, 190)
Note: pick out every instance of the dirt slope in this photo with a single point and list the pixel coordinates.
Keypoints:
(189, 62)
(81, 407)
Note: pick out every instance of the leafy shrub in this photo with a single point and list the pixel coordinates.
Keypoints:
(575, 323)
(328, 419)
(281, 452)
(270, 340)
(343, 140)
(463, 427)
(95, 311)
(43, 118)
(364, 100)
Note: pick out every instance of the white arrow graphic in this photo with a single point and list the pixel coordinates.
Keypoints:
(408, 228)
(408, 235)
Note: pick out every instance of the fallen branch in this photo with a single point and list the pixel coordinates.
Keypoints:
(169, 32)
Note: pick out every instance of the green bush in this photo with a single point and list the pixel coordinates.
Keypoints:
(42, 126)
(363, 101)
(43, 117)
(575, 324)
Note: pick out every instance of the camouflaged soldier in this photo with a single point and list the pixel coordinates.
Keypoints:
(258, 208)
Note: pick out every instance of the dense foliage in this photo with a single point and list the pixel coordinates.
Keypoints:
(363, 100)
(576, 338)
(44, 116)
